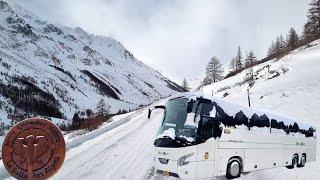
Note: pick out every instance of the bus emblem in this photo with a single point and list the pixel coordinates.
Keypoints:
(162, 153)
(206, 155)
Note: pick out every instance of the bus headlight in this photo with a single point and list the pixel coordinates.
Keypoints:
(183, 160)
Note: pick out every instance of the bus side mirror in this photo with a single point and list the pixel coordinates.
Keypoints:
(149, 113)
(155, 107)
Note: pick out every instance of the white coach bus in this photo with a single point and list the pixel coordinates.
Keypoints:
(204, 137)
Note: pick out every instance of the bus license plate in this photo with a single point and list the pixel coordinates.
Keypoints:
(165, 173)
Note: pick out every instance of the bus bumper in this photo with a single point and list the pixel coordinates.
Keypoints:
(172, 169)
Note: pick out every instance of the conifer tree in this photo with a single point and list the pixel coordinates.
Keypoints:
(312, 27)
(232, 65)
(102, 108)
(292, 39)
(214, 70)
(272, 49)
(238, 60)
(279, 45)
(185, 85)
(251, 59)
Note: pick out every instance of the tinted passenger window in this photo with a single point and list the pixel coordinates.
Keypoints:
(205, 129)
(208, 127)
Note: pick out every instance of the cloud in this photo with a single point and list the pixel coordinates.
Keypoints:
(179, 37)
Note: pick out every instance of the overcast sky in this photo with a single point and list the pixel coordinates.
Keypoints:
(178, 37)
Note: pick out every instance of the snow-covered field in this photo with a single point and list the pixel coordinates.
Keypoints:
(294, 92)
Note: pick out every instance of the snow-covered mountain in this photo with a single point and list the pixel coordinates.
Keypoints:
(54, 70)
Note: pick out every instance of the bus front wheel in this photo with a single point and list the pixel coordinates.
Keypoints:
(233, 169)
(294, 162)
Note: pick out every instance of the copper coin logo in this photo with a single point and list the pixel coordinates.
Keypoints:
(33, 149)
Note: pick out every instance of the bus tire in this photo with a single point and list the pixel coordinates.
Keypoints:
(233, 169)
(294, 162)
(302, 161)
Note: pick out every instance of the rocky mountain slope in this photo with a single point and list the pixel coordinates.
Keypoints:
(52, 70)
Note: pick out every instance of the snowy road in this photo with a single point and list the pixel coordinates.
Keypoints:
(122, 153)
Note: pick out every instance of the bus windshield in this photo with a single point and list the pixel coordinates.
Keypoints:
(179, 126)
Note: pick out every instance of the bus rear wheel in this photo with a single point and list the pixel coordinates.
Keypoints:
(233, 169)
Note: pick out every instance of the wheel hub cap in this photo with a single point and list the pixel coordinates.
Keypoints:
(234, 169)
(303, 161)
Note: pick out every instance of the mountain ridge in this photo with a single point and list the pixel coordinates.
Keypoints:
(76, 69)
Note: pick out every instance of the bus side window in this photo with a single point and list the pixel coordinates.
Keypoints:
(205, 129)
(217, 130)
(206, 109)
(208, 126)
(198, 113)
(190, 106)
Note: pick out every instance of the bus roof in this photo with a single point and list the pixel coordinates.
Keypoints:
(232, 109)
